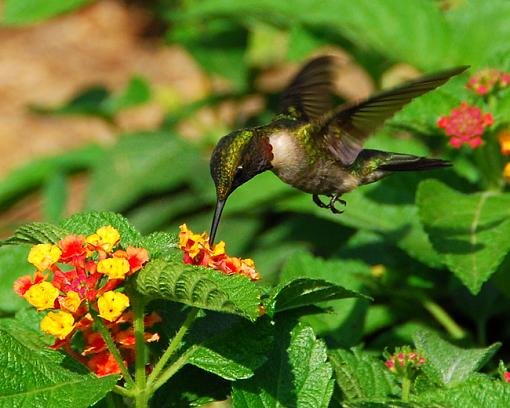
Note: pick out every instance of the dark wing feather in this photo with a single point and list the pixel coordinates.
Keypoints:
(347, 128)
(309, 95)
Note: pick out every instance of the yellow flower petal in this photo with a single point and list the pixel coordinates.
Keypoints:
(506, 172)
(43, 256)
(114, 268)
(71, 302)
(42, 295)
(106, 238)
(58, 324)
(111, 305)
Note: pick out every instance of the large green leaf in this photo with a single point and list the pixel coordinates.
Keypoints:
(449, 365)
(19, 12)
(471, 232)
(478, 391)
(36, 233)
(35, 376)
(140, 164)
(199, 287)
(13, 264)
(305, 292)
(361, 376)
(88, 222)
(237, 352)
(297, 373)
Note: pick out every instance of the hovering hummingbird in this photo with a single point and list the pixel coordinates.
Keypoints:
(316, 147)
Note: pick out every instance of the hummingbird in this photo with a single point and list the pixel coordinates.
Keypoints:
(317, 147)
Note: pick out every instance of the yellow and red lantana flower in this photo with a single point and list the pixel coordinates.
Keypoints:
(93, 268)
(197, 251)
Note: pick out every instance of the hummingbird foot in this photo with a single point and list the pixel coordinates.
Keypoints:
(334, 199)
(319, 202)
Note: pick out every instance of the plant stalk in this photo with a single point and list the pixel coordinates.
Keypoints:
(453, 329)
(140, 378)
(172, 369)
(174, 344)
(406, 388)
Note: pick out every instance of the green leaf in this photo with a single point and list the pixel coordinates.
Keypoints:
(35, 376)
(140, 164)
(237, 352)
(20, 12)
(449, 365)
(88, 222)
(361, 376)
(297, 373)
(161, 245)
(304, 292)
(478, 391)
(13, 264)
(36, 233)
(199, 287)
(55, 197)
(471, 232)
(136, 92)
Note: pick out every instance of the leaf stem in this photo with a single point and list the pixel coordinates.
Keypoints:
(123, 391)
(138, 325)
(172, 369)
(174, 344)
(444, 319)
(112, 348)
(406, 388)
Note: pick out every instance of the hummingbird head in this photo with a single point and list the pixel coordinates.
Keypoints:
(238, 157)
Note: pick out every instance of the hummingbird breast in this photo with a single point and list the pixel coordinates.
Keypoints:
(320, 174)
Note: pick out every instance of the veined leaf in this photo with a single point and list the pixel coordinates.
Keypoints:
(35, 376)
(449, 365)
(305, 292)
(297, 373)
(471, 232)
(88, 222)
(361, 376)
(199, 287)
(36, 233)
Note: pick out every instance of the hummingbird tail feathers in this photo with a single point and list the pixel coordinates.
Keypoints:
(405, 162)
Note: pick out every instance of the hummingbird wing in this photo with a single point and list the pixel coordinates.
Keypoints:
(345, 129)
(309, 95)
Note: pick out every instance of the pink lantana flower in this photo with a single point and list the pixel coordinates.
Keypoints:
(488, 80)
(465, 124)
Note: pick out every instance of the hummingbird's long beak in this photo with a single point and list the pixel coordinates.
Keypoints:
(216, 220)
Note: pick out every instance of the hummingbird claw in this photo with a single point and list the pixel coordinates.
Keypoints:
(334, 199)
(319, 202)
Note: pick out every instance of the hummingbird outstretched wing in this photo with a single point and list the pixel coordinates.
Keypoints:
(310, 94)
(345, 130)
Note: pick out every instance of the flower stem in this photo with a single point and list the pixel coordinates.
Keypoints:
(123, 391)
(406, 388)
(453, 329)
(172, 369)
(113, 348)
(140, 379)
(174, 344)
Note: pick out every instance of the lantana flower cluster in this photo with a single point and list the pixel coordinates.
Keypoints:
(488, 80)
(197, 251)
(404, 362)
(78, 274)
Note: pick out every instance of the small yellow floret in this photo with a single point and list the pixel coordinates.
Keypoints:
(42, 256)
(105, 237)
(506, 172)
(58, 324)
(111, 305)
(114, 268)
(71, 302)
(42, 295)
(378, 270)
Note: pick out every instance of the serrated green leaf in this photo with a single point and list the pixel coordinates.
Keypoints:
(199, 287)
(36, 233)
(479, 391)
(161, 245)
(20, 12)
(140, 164)
(88, 222)
(305, 292)
(361, 376)
(13, 264)
(35, 376)
(237, 352)
(471, 232)
(449, 365)
(297, 373)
